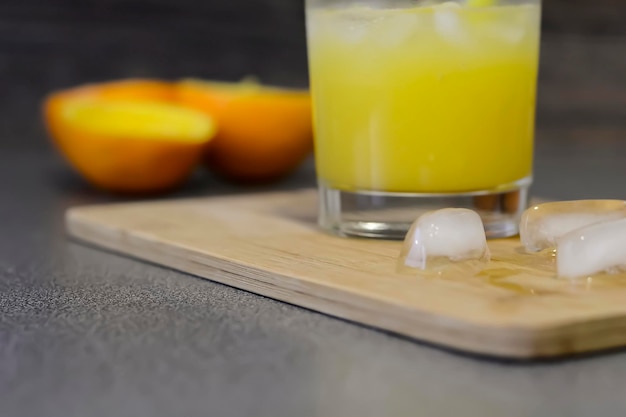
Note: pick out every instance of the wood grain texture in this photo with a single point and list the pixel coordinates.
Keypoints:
(269, 244)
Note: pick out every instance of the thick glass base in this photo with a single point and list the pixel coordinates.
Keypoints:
(389, 215)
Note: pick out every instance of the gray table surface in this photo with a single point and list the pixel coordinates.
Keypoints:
(89, 333)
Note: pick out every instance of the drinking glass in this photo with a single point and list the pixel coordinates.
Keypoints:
(420, 105)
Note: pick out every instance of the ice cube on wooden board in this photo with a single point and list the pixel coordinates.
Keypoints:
(543, 224)
(444, 236)
(600, 247)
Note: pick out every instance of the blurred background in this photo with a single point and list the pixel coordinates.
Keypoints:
(51, 44)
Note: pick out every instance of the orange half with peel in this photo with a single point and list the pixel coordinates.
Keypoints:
(132, 89)
(263, 133)
(127, 142)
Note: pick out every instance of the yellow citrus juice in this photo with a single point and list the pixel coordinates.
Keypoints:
(436, 99)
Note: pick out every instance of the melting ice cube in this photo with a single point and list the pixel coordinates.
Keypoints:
(444, 236)
(448, 22)
(600, 247)
(541, 225)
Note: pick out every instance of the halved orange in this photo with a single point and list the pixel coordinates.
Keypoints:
(127, 140)
(264, 132)
(132, 89)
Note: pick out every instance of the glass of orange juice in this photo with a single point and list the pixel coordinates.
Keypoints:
(419, 105)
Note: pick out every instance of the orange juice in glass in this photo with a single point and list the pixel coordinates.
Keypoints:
(420, 105)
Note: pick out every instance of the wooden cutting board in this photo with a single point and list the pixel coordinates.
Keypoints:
(269, 244)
